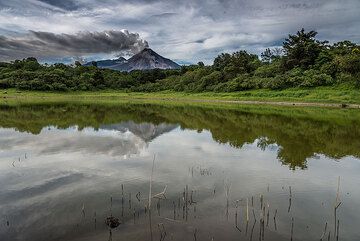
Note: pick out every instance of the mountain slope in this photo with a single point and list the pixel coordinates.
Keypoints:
(108, 63)
(148, 59)
(144, 60)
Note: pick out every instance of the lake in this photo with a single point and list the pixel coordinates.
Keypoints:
(217, 172)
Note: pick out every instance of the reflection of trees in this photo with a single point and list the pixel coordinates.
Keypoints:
(264, 142)
(334, 133)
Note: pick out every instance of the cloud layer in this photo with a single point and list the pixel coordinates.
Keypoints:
(187, 30)
(46, 44)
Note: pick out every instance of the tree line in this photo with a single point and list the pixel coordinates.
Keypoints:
(303, 61)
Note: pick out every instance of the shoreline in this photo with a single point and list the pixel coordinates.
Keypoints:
(164, 97)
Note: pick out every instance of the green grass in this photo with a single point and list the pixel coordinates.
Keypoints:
(338, 94)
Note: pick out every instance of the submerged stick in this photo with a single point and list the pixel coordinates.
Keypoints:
(252, 230)
(110, 234)
(227, 193)
(336, 206)
(292, 228)
(151, 177)
(236, 217)
(158, 206)
(162, 231)
(111, 199)
(149, 201)
(130, 200)
(267, 216)
(275, 220)
(179, 204)
(247, 210)
(186, 201)
(174, 210)
(254, 214)
(246, 229)
(83, 210)
(95, 220)
(324, 233)
(290, 197)
(122, 201)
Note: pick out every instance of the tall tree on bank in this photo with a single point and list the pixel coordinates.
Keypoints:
(302, 49)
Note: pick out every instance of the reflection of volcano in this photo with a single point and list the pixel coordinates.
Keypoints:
(145, 131)
(122, 139)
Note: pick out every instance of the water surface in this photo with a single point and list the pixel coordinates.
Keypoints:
(66, 167)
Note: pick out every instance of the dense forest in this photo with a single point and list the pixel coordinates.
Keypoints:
(303, 61)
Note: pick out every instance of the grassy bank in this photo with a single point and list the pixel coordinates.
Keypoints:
(321, 95)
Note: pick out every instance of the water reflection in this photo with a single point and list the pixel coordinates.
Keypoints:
(60, 168)
(334, 133)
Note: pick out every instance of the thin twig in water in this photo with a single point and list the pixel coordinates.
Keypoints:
(83, 210)
(247, 210)
(227, 194)
(236, 217)
(275, 219)
(162, 231)
(151, 177)
(324, 233)
(267, 215)
(252, 230)
(292, 228)
(290, 197)
(95, 219)
(336, 206)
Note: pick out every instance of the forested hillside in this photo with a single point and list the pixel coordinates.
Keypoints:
(303, 61)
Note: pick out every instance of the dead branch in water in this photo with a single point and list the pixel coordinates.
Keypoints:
(161, 195)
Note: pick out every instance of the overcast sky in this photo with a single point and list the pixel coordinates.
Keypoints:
(183, 30)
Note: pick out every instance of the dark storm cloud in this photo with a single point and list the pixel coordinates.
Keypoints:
(64, 4)
(188, 30)
(46, 44)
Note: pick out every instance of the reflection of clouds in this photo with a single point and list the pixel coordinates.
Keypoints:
(57, 141)
(122, 139)
(40, 188)
(48, 191)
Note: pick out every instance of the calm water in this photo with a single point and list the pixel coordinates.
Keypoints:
(65, 168)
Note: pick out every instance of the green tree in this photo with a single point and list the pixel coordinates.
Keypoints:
(302, 49)
(222, 61)
(266, 56)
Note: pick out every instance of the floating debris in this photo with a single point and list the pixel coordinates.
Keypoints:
(112, 222)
